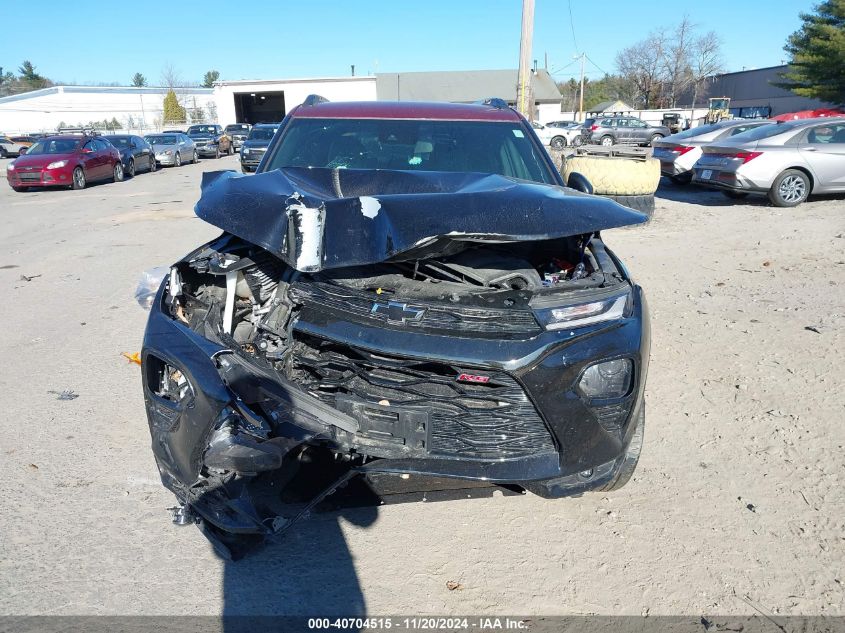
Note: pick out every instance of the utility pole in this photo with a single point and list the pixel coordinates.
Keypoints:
(581, 102)
(524, 94)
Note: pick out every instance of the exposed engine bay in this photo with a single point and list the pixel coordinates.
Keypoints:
(236, 292)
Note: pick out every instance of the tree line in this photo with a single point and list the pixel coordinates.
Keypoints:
(28, 78)
(670, 67)
(667, 69)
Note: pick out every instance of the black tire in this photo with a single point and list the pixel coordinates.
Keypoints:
(734, 195)
(656, 137)
(153, 165)
(578, 141)
(177, 160)
(131, 170)
(631, 458)
(3, 153)
(790, 189)
(557, 142)
(196, 158)
(643, 204)
(117, 172)
(78, 179)
(606, 141)
(21, 189)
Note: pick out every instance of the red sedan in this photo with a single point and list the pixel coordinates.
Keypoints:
(69, 161)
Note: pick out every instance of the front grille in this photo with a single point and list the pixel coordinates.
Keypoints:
(491, 420)
(36, 177)
(456, 320)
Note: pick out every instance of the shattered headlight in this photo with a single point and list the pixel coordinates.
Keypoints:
(610, 379)
(57, 164)
(148, 285)
(584, 313)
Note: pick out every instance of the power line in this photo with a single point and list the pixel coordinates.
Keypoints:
(558, 70)
(596, 65)
(572, 25)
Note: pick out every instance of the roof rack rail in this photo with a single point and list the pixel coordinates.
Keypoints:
(496, 102)
(86, 131)
(312, 100)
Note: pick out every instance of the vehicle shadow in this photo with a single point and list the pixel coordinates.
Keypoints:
(694, 194)
(309, 571)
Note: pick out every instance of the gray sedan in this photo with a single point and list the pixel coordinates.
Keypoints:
(172, 148)
(787, 161)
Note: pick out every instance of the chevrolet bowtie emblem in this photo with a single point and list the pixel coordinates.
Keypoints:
(397, 312)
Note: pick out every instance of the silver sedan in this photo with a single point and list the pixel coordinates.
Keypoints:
(787, 161)
(172, 148)
(678, 153)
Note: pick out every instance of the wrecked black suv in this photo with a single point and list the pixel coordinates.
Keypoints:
(406, 301)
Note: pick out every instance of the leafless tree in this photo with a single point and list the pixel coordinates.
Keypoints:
(170, 78)
(705, 61)
(676, 61)
(642, 65)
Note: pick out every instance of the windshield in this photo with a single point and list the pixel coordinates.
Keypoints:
(237, 128)
(201, 129)
(161, 140)
(412, 145)
(54, 146)
(120, 142)
(764, 131)
(261, 134)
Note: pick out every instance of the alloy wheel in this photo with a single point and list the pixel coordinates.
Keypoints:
(792, 189)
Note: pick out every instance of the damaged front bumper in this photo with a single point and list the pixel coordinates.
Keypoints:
(230, 425)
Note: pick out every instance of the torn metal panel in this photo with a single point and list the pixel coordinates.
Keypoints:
(317, 219)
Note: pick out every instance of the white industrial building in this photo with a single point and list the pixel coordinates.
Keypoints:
(137, 109)
(260, 100)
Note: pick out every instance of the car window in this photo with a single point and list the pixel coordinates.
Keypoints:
(637, 123)
(739, 129)
(90, 145)
(261, 134)
(765, 131)
(828, 133)
(101, 144)
(54, 146)
(119, 142)
(412, 145)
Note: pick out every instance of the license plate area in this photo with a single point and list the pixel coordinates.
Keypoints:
(706, 174)
(403, 426)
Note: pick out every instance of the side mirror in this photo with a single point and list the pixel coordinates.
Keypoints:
(579, 182)
(22, 151)
(87, 150)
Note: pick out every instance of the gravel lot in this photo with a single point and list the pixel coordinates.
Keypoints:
(738, 503)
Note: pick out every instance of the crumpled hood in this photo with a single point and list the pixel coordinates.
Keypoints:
(316, 219)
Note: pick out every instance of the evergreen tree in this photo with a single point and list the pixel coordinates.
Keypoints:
(210, 77)
(173, 110)
(138, 80)
(817, 54)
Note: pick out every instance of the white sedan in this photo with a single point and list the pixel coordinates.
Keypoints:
(556, 137)
(9, 148)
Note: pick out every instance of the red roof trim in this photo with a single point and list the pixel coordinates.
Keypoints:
(405, 110)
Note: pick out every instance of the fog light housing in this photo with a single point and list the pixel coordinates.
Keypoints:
(610, 379)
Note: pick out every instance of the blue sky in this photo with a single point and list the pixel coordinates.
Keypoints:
(318, 38)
